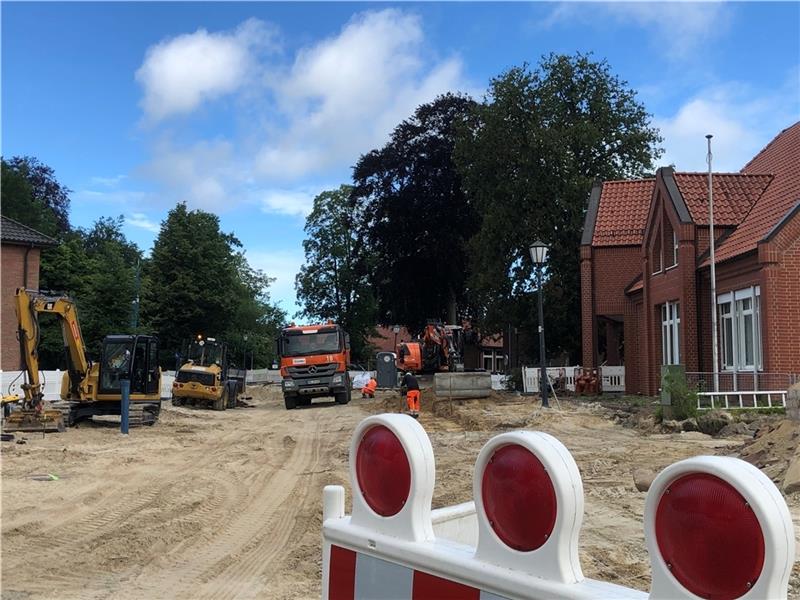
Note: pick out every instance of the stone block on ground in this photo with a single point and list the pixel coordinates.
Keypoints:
(793, 402)
(791, 481)
(643, 479)
(714, 421)
(462, 385)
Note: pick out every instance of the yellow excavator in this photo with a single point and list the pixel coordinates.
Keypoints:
(87, 388)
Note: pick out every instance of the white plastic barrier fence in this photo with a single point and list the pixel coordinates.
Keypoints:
(530, 378)
(715, 527)
(13, 380)
(613, 379)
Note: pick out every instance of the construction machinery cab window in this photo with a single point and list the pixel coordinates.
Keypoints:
(132, 357)
(206, 352)
(320, 341)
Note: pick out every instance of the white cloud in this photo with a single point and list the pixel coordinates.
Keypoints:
(307, 120)
(109, 182)
(295, 202)
(111, 197)
(679, 28)
(140, 220)
(205, 175)
(343, 95)
(741, 119)
(283, 265)
(178, 74)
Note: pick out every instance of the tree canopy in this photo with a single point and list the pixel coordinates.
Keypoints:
(32, 195)
(333, 282)
(528, 157)
(97, 268)
(417, 218)
(197, 281)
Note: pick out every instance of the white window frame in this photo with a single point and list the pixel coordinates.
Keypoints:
(670, 333)
(733, 329)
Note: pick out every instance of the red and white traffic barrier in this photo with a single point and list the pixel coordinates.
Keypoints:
(715, 527)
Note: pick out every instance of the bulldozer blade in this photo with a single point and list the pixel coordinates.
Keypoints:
(33, 421)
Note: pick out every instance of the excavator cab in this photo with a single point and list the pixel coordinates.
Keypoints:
(133, 357)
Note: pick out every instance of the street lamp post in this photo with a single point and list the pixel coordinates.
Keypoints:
(244, 361)
(538, 252)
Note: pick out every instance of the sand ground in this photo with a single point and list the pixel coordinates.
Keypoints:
(228, 505)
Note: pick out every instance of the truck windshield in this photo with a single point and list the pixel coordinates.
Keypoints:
(310, 343)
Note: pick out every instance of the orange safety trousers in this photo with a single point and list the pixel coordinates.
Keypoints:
(412, 398)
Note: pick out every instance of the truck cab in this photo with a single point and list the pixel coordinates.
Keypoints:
(313, 364)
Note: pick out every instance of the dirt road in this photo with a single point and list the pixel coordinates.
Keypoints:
(227, 505)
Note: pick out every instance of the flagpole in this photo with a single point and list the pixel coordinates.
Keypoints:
(714, 346)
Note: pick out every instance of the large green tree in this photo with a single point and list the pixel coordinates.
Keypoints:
(417, 217)
(528, 157)
(198, 282)
(32, 195)
(333, 282)
(97, 268)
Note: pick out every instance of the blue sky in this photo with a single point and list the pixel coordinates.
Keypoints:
(250, 109)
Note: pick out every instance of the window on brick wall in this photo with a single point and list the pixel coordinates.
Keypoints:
(656, 257)
(740, 329)
(670, 340)
(670, 245)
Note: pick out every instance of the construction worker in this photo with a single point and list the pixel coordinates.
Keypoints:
(410, 389)
(368, 391)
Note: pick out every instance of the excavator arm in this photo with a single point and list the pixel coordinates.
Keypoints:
(29, 305)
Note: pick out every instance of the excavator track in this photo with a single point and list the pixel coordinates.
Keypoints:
(139, 415)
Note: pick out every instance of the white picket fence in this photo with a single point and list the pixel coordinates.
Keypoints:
(613, 378)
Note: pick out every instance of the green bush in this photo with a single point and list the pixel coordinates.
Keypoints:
(684, 397)
(514, 381)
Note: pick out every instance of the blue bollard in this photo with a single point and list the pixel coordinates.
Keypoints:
(125, 388)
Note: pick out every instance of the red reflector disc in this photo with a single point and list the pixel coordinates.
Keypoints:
(709, 537)
(519, 498)
(383, 471)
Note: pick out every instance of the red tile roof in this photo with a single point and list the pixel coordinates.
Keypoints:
(781, 158)
(622, 212)
(734, 195)
(383, 340)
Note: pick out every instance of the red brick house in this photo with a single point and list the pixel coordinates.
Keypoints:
(21, 248)
(645, 270)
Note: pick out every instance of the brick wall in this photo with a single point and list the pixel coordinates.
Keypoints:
(12, 277)
(780, 299)
(605, 273)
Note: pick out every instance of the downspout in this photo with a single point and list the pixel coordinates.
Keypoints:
(25, 267)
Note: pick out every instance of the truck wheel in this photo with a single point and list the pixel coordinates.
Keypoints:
(344, 397)
(221, 402)
(231, 389)
(290, 402)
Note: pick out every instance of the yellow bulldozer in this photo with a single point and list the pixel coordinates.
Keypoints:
(87, 388)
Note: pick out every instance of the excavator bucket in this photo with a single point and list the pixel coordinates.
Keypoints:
(35, 421)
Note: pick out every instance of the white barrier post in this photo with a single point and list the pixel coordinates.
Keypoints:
(715, 527)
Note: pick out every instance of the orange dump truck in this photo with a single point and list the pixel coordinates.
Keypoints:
(314, 361)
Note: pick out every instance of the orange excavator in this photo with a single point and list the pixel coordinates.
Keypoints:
(439, 348)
